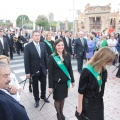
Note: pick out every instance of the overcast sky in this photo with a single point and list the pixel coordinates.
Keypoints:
(62, 9)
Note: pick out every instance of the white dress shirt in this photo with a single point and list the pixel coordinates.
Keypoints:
(1, 39)
(67, 40)
(37, 45)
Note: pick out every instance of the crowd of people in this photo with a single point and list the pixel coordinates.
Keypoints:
(47, 52)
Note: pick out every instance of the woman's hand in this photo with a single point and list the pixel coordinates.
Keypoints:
(73, 84)
(79, 110)
(50, 90)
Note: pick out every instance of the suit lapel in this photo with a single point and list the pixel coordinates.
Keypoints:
(8, 96)
(41, 49)
(80, 41)
(1, 44)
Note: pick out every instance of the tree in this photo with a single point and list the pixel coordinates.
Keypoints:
(53, 25)
(62, 26)
(6, 23)
(42, 21)
(21, 20)
(28, 25)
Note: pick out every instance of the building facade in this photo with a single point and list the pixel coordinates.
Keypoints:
(98, 18)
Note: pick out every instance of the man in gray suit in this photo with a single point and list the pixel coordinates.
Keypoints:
(80, 50)
(4, 47)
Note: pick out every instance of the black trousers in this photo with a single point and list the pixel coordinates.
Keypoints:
(35, 83)
(80, 63)
(11, 52)
(4, 53)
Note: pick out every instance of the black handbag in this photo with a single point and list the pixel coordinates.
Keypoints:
(81, 116)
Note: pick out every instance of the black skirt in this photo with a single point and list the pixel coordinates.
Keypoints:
(93, 109)
(60, 91)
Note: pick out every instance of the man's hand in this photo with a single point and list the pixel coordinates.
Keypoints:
(27, 76)
(12, 89)
(50, 90)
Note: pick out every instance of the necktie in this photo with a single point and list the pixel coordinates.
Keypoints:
(82, 41)
(38, 49)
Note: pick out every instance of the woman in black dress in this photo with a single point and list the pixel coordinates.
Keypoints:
(92, 84)
(49, 44)
(60, 75)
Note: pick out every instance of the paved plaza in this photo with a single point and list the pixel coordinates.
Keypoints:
(111, 96)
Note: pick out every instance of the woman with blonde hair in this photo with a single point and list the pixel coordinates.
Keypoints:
(92, 84)
(14, 87)
(49, 44)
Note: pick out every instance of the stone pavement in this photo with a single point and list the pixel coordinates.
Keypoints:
(111, 101)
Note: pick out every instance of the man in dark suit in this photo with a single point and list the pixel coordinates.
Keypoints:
(42, 37)
(58, 35)
(67, 42)
(10, 109)
(35, 59)
(80, 50)
(10, 41)
(4, 47)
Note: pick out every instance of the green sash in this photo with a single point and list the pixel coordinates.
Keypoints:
(96, 74)
(63, 68)
(49, 44)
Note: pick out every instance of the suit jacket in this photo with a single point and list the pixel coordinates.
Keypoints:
(67, 48)
(10, 109)
(32, 61)
(6, 47)
(79, 49)
(10, 40)
(55, 73)
(42, 38)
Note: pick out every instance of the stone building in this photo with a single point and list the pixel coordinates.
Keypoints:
(50, 17)
(97, 18)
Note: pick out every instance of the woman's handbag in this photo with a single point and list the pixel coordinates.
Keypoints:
(81, 116)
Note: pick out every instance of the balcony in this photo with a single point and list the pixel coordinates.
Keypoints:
(95, 26)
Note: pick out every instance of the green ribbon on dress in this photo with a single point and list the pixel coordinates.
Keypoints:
(49, 44)
(63, 68)
(96, 74)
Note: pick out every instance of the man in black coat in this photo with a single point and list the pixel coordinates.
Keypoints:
(10, 109)
(67, 42)
(58, 35)
(10, 41)
(35, 60)
(4, 47)
(42, 37)
(80, 50)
